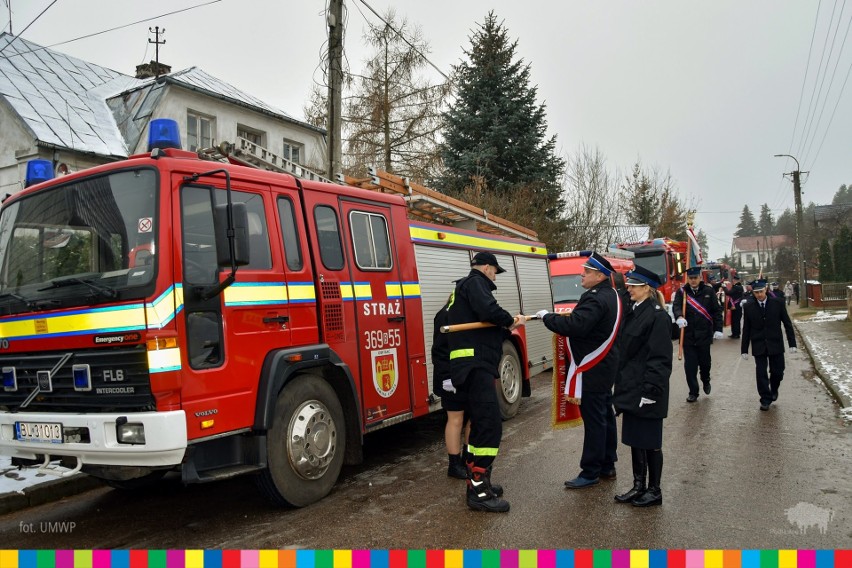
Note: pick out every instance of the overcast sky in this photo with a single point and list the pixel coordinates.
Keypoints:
(709, 91)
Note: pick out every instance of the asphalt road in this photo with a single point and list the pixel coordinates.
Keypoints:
(734, 477)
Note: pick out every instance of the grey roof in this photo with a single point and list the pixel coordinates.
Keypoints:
(64, 101)
(61, 99)
(197, 79)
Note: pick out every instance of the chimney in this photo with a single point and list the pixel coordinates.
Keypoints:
(152, 69)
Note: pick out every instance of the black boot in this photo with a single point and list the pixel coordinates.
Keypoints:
(640, 466)
(456, 467)
(497, 490)
(480, 497)
(653, 496)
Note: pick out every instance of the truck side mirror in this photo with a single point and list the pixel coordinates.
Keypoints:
(241, 235)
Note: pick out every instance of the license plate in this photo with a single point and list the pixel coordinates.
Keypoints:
(48, 432)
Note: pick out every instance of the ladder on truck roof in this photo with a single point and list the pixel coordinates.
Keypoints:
(424, 204)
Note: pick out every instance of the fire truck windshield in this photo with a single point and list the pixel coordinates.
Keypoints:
(85, 242)
(655, 262)
(566, 288)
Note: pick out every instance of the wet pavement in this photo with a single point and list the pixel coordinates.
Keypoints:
(734, 477)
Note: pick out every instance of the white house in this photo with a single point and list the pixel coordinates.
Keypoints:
(749, 252)
(78, 114)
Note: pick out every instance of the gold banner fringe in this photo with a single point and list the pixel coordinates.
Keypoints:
(572, 417)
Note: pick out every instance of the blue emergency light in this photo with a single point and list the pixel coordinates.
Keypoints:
(82, 377)
(38, 171)
(10, 379)
(163, 133)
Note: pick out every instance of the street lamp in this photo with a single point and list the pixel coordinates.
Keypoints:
(797, 194)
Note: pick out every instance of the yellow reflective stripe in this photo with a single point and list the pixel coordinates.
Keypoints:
(411, 289)
(161, 360)
(452, 299)
(97, 320)
(163, 309)
(253, 293)
(455, 354)
(393, 290)
(363, 291)
(428, 235)
(482, 451)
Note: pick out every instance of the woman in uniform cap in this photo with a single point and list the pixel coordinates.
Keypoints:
(642, 385)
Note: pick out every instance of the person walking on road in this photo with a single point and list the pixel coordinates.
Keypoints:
(591, 329)
(703, 322)
(735, 297)
(474, 357)
(788, 292)
(642, 386)
(762, 320)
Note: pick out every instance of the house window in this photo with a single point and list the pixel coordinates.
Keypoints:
(748, 258)
(293, 151)
(250, 134)
(199, 131)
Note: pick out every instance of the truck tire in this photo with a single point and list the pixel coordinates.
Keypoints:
(305, 444)
(510, 382)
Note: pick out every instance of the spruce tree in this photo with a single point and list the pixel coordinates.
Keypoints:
(826, 268)
(747, 226)
(766, 225)
(495, 142)
(843, 255)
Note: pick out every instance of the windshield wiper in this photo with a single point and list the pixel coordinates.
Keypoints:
(28, 303)
(105, 291)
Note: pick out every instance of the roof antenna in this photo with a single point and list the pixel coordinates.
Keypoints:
(156, 31)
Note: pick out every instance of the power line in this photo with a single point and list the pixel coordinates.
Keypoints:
(813, 125)
(405, 39)
(28, 25)
(112, 29)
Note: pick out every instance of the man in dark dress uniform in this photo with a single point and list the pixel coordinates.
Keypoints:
(474, 357)
(762, 320)
(591, 327)
(703, 323)
(735, 296)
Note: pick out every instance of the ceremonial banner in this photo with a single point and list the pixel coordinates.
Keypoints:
(564, 414)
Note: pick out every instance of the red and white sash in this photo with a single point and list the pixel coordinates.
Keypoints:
(574, 379)
(698, 307)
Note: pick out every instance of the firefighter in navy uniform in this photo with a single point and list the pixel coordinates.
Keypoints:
(735, 297)
(703, 323)
(592, 327)
(474, 358)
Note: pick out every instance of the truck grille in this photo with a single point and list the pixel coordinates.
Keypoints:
(120, 381)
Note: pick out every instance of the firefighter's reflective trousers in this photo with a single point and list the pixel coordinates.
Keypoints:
(486, 424)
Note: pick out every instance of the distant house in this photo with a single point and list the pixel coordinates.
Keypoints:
(756, 251)
(78, 114)
(833, 217)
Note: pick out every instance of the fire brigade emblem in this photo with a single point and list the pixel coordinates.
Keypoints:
(384, 372)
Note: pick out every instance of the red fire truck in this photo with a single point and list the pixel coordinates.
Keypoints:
(166, 313)
(664, 257)
(565, 271)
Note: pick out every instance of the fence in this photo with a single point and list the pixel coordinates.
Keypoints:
(831, 295)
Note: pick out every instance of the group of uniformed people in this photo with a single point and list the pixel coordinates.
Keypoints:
(620, 351)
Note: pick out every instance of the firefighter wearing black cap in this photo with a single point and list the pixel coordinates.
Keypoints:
(474, 358)
(703, 323)
(735, 297)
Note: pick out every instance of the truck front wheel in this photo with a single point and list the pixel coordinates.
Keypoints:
(509, 382)
(305, 444)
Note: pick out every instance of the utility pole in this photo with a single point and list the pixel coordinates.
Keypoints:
(335, 85)
(157, 43)
(797, 195)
